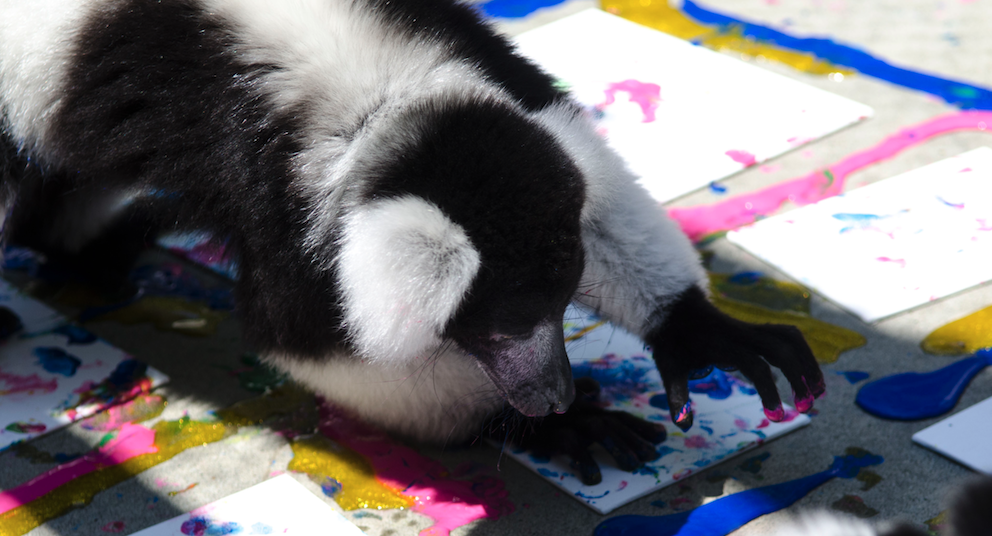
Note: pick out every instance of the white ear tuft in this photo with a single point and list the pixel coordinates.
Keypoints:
(404, 268)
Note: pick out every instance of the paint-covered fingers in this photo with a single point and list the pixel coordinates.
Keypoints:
(554, 440)
(785, 348)
(676, 381)
(757, 370)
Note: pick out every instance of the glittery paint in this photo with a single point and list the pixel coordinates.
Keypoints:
(74, 484)
(963, 336)
(451, 503)
(659, 15)
(702, 221)
(727, 514)
(321, 458)
(911, 396)
(141, 408)
(644, 94)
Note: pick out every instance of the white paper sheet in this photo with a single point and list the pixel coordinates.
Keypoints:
(965, 437)
(728, 417)
(45, 377)
(706, 115)
(892, 245)
(277, 506)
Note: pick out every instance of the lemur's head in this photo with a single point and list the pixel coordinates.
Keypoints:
(470, 233)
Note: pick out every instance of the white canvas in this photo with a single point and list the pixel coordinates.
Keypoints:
(728, 417)
(277, 506)
(963, 437)
(892, 245)
(33, 400)
(706, 104)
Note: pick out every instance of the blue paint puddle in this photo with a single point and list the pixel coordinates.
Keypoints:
(853, 376)
(911, 396)
(331, 487)
(57, 360)
(76, 334)
(961, 94)
(730, 513)
(745, 278)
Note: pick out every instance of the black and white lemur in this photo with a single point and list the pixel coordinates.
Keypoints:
(412, 205)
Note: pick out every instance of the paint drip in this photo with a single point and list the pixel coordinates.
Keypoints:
(702, 222)
(963, 336)
(727, 514)
(912, 396)
(659, 15)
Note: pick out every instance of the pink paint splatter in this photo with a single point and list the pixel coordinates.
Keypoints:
(900, 262)
(770, 168)
(682, 474)
(26, 384)
(131, 441)
(700, 221)
(644, 94)
(623, 484)
(697, 442)
(965, 170)
(451, 503)
(741, 423)
(983, 224)
(113, 526)
(742, 157)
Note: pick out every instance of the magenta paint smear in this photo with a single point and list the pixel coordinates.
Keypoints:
(644, 94)
(742, 157)
(701, 221)
(131, 441)
(26, 384)
(451, 503)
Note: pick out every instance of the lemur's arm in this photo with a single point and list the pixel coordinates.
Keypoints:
(642, 273)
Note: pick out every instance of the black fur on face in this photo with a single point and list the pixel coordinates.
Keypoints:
(518, 197)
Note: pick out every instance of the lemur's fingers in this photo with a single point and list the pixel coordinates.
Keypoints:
(784, 347)
(652, 432)
(571, 443)
(676, 381)
(760, 374)
(644, 449)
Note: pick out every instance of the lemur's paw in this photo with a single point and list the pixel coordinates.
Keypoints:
(629, 440)
(697, 336)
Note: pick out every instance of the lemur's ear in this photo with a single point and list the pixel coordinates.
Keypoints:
(404, 268)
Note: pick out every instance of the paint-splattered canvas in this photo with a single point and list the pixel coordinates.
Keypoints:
(890, 246)
(681, 115)
(964, 437)
(728, 417)
(53, 373)
(277, 506)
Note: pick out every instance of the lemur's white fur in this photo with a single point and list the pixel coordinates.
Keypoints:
(37, 38)
(404, 268)
(447, 392)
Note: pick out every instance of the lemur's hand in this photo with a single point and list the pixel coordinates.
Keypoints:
(696, 336)
(630, 440)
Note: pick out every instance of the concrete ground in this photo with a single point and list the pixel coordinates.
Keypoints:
(945, 37)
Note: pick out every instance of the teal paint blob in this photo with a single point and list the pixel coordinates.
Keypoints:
(912, 396)
(57, 360)
(723, 516)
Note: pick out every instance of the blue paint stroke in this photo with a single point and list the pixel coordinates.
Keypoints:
(717, 188)
(853, 376)
(911, 396)
(76, 334)
(960, 94)
(331, 487)
(719, 385)
(547, 472)
(948, 203)
(204, 526)
(619, 379)
(730, 513)
(57, 360)
(745, 278)
(515, 9)
(584, 496)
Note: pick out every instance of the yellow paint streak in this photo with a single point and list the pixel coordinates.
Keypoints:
(827, 341)
(170, 314)
(963, 336)
(765, 291)
(659, 15)
(321, 458)
(582, 332)
(171, 438)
